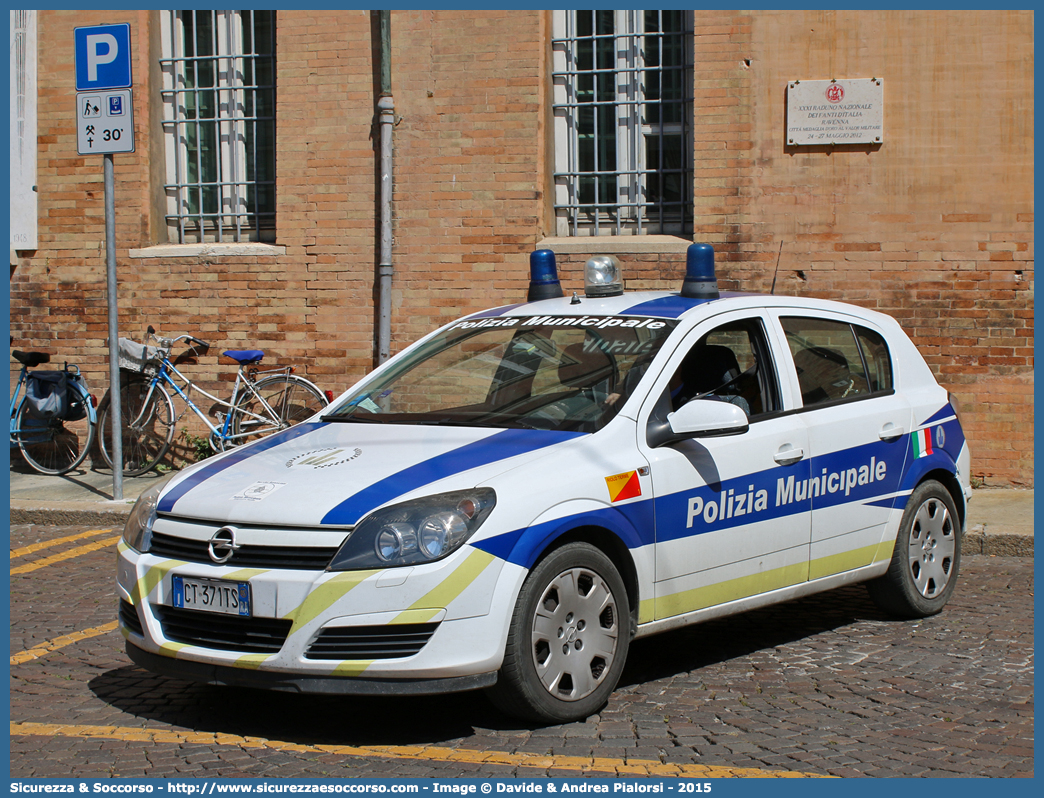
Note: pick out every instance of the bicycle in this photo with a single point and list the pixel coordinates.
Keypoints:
(262, 402)
(54, 422)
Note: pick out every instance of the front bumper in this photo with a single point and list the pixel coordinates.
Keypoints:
(310, 631)
(205, 673)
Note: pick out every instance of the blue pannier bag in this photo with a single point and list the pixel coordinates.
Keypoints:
(47, 393)
(77, 400)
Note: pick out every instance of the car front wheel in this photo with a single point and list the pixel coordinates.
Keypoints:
(926, 558)
(568, 640)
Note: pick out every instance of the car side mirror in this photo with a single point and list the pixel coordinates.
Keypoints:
(702, 418)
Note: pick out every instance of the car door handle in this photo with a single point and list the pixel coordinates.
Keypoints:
(788, 454)
(889, 432)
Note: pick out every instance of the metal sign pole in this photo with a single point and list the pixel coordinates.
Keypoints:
(114, 331)
(104, 125)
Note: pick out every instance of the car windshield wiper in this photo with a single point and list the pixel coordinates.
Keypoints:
(369, 419)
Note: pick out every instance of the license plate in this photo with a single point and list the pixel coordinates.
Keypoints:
(211, 595)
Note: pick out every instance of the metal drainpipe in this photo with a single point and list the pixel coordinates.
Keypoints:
(386, 112)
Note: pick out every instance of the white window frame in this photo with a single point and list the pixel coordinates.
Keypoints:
(632, 213)
(235, 221)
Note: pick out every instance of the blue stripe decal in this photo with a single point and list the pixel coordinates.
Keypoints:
(501, 446)
(632, 523)
(667, 307)
(866, 475)
(237, 456)
(945, 414)
(494, 312)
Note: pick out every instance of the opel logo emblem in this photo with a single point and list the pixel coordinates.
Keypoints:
(222, 545)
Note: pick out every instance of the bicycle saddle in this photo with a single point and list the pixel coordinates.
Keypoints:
(31, 359)
(245, 356)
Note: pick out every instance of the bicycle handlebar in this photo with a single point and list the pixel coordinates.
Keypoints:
(168, 343)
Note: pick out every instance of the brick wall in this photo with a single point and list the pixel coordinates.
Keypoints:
(933, 227)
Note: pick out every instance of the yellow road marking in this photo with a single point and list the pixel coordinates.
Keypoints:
(46, 544)
(47, 647)
(65, 555)
(585, 764)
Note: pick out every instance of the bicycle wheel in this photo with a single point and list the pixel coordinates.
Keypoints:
(147, 430)
(291, 398)
(54, 446)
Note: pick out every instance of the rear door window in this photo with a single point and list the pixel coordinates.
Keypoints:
(836, 360)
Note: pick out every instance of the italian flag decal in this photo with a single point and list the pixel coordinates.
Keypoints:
(922, 442)
(623, 486)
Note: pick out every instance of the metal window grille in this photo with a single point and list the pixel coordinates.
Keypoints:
(219, 122)
(623, 122)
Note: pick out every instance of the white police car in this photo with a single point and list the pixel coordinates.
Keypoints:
(510, 501)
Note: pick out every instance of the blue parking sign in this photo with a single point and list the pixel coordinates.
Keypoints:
(103, 57)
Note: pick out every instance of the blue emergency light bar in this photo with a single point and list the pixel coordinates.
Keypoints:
(543, 276)
(700, 280)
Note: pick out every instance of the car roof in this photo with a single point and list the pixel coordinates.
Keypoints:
(668, 305)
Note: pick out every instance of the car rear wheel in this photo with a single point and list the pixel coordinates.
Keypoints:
(926, 558)
(568, 639)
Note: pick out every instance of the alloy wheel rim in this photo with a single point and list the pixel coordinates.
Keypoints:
(575, 634)
(933, 545)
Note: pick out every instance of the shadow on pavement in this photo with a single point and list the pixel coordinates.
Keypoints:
(690, 648)
(291, 717)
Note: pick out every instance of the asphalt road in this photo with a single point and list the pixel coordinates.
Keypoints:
(824, 686)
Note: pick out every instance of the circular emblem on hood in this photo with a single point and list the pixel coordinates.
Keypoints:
(222, 545)
(324, 458)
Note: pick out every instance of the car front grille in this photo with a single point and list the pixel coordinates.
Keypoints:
(129, 618)
(370, 642)
(246, 556)
(223, 632)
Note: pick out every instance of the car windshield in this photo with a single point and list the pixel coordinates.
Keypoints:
(569, 373)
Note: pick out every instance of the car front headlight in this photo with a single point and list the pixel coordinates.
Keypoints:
(137, 532)
(415, 532)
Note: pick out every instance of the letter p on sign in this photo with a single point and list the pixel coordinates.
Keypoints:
(103, 57)
(94, 55)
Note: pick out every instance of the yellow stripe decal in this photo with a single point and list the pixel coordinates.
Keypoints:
(325, 595)
(742, 587)
(245, 575)
(153, 577)
(351, 667)
(450, 587)
(646, 610)
(730, 590)
(845, 561)
(252, 662)
(415, 616)
(424, 753)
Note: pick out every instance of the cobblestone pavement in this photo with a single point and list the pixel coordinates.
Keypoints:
(822, 686)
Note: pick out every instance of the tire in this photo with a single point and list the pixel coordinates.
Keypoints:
(292, 398)
(568, 639)
(926, 558)
(55, 446)
(145, 444)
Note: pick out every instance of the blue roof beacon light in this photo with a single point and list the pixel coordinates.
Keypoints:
(543, 276)
(700, 281)
(602, 276)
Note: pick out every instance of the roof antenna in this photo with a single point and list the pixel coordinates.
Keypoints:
(773, 291)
